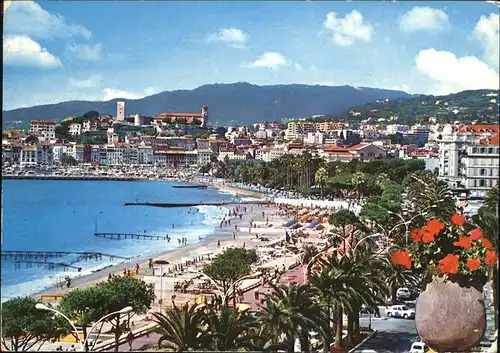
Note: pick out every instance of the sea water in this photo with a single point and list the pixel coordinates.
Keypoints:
(57, 215)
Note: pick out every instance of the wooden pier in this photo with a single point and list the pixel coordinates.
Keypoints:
(35, 255)
(51, 265)
(121, 236)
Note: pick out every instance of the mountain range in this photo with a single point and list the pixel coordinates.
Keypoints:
(241, 103)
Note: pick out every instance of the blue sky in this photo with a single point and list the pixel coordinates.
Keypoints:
(96, 50)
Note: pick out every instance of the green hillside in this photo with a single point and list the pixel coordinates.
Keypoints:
(482, 105)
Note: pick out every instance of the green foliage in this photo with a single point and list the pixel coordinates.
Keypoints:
(62, 132)
(94, 137)
(23, 325)
(470, 105)
(148, 131)
(230, 265)
(91, 114)
(180, 329)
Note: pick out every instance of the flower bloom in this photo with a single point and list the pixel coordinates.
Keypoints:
(416, 235)
(463, 242)
(449, 264)
(476, 234)
(434, 226)
(473, 264)
(487, 244)
(428, 236)
(401, 258)
(458, 219)
(490, 258)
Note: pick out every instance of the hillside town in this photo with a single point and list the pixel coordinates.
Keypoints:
(465, 156)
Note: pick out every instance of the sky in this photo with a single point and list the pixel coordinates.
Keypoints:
(99, 50)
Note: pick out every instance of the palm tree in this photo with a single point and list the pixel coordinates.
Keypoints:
(430, 196)
(487, 221)
(291, 312)
(306, 256)
(180, 329)
(492, 198)
(397, 276)
(358, 181)
(321, 177)
(229, 330)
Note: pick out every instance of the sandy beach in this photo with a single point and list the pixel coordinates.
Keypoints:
(266, 222)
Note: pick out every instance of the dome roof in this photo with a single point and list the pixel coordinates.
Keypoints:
(448, 129)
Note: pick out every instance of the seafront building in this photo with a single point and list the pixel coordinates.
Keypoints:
(465, 156)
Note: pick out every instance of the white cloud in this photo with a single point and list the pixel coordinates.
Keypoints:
(28, 18)
(298, 67)
(487, 32)
(348, 29)
(86, 52)
(231, 36)
(423, 18)
(402, 87)
(270, 60)
(111, 93)
(452, 74)
(24, 51)
(92, 81)
(152, 90)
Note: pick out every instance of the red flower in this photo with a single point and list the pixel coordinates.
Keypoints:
(463, 242)
(458, 219)
(490, 258)
(428, 236)
(416, 235)
(449, 264)
(473, 264)
(401, 258)
(476, 234)
(487, 244)
(434, 226)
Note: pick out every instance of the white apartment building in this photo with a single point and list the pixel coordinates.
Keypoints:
(396, 128)
(268, 154)
(75, 129)
(28, 156)
(468, 158)
(204, 156)
(45, 130)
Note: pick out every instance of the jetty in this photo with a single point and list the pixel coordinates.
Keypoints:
(173, 205)
(51, 265)
(190, 186)
(34, 255)
(120, 236)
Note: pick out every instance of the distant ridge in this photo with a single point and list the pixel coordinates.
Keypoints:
(241, 102)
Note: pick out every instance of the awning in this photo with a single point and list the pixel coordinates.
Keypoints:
(290, 223)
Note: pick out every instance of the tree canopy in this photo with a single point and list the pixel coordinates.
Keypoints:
(24, 326)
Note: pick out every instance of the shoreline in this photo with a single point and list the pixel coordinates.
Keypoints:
(173, 256)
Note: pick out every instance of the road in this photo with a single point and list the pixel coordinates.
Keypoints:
(393, 335)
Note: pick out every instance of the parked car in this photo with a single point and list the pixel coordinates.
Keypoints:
(419, 347)
(403, 293)
(401, 311)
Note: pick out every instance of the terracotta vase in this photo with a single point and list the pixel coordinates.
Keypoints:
(450, 315)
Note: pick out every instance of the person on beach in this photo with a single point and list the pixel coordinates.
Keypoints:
(218, 243)
(199, 238)
(130, 338)
(136, 268)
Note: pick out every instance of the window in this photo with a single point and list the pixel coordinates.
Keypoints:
(481, 150)
(474, 150)
(490, 150)
(481, 171)
(481, 182)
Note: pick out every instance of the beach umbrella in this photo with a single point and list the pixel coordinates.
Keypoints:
(242, 307)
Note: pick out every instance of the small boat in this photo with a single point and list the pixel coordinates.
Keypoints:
(189, 186)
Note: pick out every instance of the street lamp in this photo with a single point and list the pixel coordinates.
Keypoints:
(41, 306)
(304, 269)
(125, 310)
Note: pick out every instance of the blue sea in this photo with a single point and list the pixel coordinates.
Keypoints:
(54, 215)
